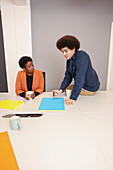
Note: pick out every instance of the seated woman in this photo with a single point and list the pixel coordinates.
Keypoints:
(29, 79)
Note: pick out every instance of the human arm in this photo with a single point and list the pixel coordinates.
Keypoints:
(25, 95)
(80, 74)
(66, 81)
(19, 85)
(57, 92)
(38, 82)
(68, 101)
(67, 78)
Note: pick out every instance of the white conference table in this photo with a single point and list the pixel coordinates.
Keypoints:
(81, 137)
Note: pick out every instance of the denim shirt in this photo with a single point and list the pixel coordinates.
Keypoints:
(80, 68)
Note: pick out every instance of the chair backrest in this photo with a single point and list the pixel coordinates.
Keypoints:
(44, 81)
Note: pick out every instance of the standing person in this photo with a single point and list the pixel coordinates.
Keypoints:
(29, 79)
(79, 67)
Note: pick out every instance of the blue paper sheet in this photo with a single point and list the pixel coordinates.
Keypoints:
(56, 104)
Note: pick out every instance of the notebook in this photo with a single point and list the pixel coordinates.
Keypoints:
(52, 104)
(10, 104)
(7, 156)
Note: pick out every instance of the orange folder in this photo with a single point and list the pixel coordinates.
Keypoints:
(7, 156)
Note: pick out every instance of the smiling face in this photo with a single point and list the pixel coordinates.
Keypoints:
(68, 53)
(29, 68)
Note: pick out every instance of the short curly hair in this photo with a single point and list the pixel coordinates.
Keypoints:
(68, 41)
(24, 60)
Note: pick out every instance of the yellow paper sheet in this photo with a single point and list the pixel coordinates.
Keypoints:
(10, 104)
(7, 157)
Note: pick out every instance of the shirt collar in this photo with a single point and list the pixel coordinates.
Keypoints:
(74, 56)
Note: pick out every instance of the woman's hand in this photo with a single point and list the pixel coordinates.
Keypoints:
(30, 96)
(68, 101)
(26, 96)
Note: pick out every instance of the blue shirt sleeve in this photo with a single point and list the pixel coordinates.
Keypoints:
(81, 68)
(67, 79)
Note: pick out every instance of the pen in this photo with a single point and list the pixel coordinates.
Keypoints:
(53, 93)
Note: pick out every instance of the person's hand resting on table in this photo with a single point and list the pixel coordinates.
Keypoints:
(32, 96)
(66, 101)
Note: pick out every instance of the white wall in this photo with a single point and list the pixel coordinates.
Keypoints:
(110, 68)
(89, 21)
(16, 23)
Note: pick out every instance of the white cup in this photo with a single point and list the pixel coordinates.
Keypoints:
(68, 93)
(28, 94)
(15, 123)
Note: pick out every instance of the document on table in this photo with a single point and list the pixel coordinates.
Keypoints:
(10, 104)
(7, 156)
(52, 104)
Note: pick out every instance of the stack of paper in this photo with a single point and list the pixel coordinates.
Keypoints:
(52, 104)
(10, 104)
